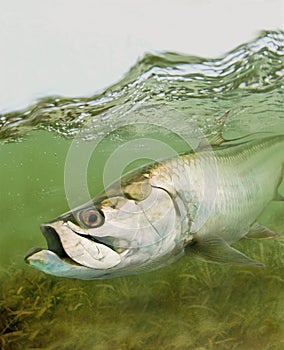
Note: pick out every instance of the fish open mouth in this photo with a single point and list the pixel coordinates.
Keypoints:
(53, 244)
(53, 241)
(76, 248)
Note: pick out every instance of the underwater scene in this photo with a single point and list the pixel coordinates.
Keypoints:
(60, 152)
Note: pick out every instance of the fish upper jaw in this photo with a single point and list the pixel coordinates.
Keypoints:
(53, 241)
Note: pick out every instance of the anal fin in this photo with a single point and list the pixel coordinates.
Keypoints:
(215, 249)
(278, 197)
(258, 231)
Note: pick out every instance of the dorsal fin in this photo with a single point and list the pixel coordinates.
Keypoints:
(216, 139)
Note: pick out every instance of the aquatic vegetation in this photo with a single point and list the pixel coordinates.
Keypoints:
(190, 305)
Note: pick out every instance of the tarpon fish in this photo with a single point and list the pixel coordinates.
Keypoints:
(197, 204)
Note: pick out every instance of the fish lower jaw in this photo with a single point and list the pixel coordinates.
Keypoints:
(38, 256)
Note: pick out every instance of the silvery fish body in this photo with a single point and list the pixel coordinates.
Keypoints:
(196, 204)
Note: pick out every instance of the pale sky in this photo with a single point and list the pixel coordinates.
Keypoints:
(75, 48)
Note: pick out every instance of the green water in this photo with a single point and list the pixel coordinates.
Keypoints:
(188, 305)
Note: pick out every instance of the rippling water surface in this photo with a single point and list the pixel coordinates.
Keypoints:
(247, 80)
(188, 305)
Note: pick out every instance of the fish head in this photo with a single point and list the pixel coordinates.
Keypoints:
(125, 230)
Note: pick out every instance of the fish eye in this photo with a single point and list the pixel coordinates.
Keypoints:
(91, 218)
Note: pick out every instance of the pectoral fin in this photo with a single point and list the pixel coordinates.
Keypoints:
(216, 250)
(259, 231)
